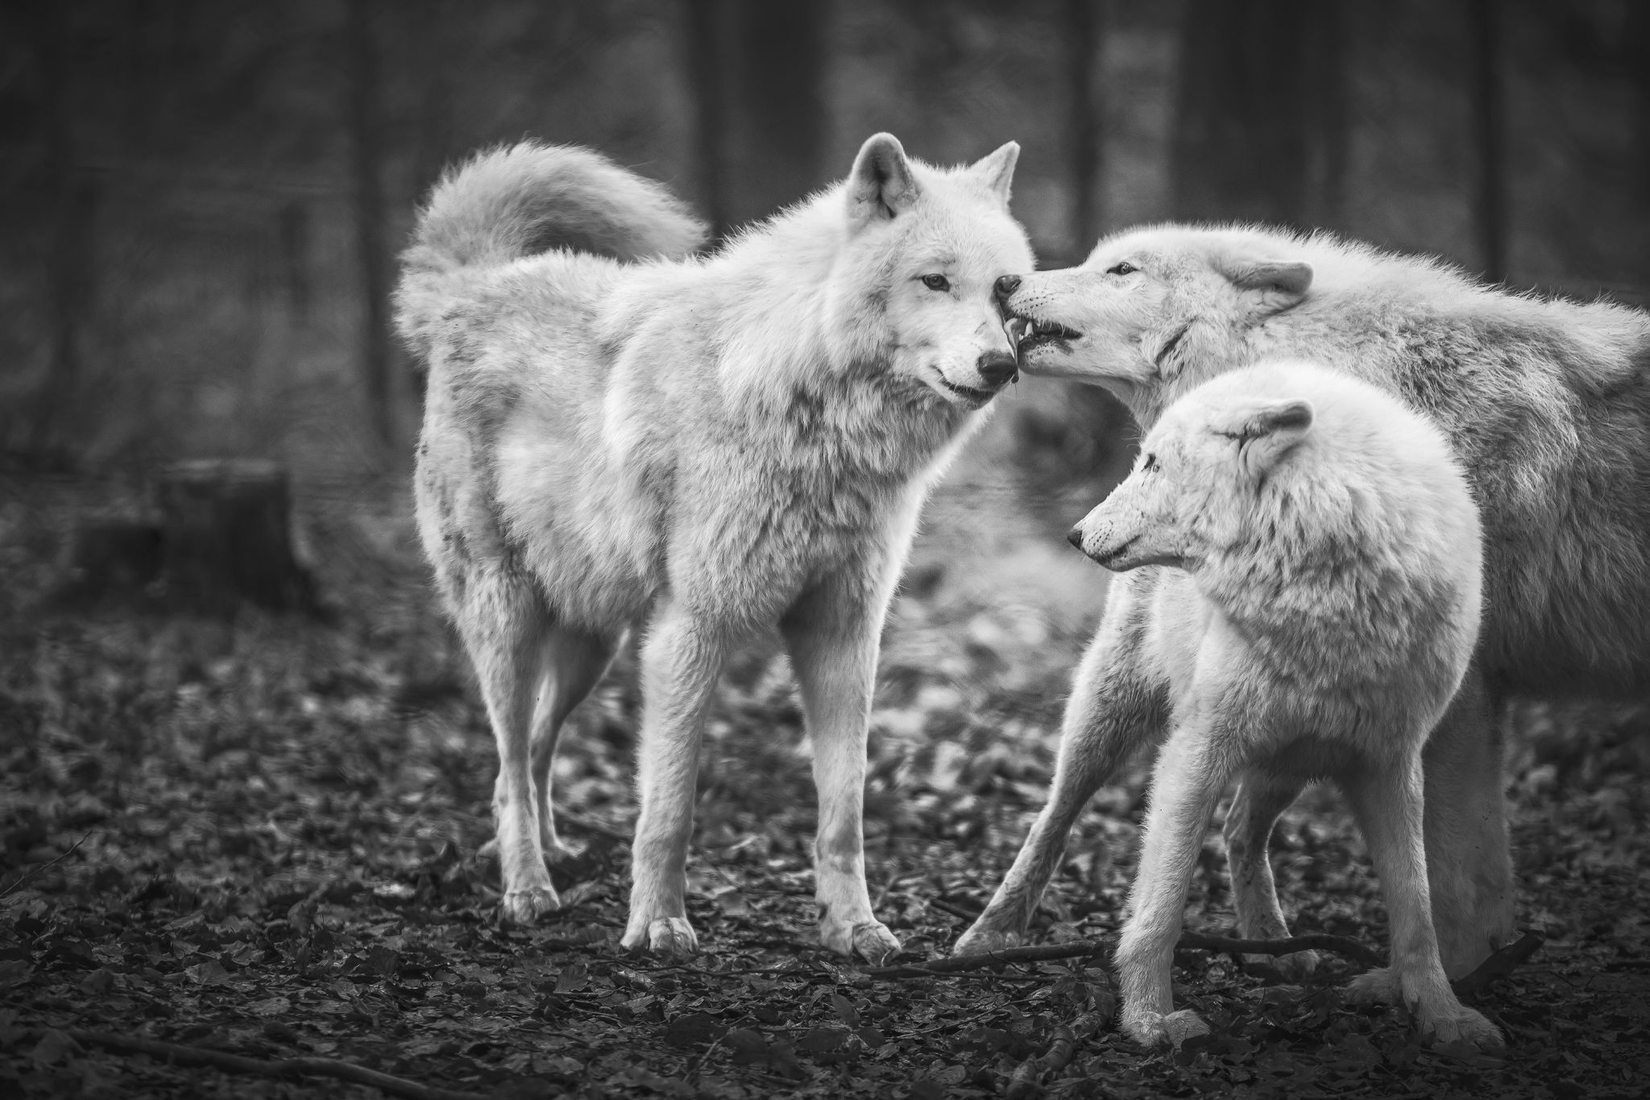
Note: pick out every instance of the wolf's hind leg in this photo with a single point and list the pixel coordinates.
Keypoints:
(681, 658)
(576, 661)
(832, 635)
(503, 622)
(1469, 860)
(1114, 706)
(1261, 798)
(1387, 802)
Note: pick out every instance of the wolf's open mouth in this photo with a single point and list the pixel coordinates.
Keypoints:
(1026, 333)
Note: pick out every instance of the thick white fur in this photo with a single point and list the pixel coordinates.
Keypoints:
(702, 448)
(1300, 600)
(1546, 404)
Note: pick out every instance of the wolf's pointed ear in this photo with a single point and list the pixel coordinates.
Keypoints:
(997, 170)
(1271, 286)
(1265, 431)
(881, 185)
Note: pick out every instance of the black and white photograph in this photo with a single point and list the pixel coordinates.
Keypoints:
(739, 549)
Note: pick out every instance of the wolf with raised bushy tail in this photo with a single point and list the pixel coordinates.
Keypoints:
(620, 436)
(1547, 405)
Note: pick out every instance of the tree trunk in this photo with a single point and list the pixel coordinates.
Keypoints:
(70, 267)
(1637, 51)
(363, 118)
(1085, 31)
(226, 538)
(1240, 141)
(1327, 62)
(1490, 207)
(706, 63)
(758, 72)
(780, 67)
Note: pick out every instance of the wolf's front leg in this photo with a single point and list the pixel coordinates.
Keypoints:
(832, 634)
(1114, 706)
(681, 660)
(1191, 771)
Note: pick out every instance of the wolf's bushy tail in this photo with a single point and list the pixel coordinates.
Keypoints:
(523, 199)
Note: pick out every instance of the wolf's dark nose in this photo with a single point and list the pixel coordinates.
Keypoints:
(1075, 537)
(1007, 284)
(996, 367)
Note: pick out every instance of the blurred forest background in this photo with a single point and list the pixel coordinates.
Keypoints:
(201, 202)
(259, 831)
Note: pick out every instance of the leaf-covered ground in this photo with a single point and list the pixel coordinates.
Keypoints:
(259, 838)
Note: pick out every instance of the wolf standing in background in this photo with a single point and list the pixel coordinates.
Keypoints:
(1547, 404)
(1300, 600)
(618, 437)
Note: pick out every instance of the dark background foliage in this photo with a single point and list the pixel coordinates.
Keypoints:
(256, 833)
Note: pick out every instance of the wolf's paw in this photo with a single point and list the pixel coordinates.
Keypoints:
(1296, 967)
(663, 936)
(1377, 986)
(869, 939)
(1463, 1025)
(526, 906)
(982, 939)
(1152, 1029)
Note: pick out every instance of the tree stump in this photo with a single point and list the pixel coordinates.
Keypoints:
(226, 537)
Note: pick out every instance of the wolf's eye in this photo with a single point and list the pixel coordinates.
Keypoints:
(1124, 268)
(936, 282)
(1149, 465)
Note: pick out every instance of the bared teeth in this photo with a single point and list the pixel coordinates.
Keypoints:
(1022, 329)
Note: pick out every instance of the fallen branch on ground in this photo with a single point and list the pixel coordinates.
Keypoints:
(1196, 941)
(1028, 1078)
(285, 1067)
(1503, 961)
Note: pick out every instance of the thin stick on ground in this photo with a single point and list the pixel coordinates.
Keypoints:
(1197, 941)
(35, 872)
(285, 1067)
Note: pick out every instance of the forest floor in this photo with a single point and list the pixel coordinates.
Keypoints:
(258, 839)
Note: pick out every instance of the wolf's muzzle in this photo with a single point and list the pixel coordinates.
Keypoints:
(997, 368)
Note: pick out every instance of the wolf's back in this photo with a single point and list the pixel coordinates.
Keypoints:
(523, 199)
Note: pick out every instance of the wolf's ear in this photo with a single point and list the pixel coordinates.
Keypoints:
(997, 170)
(881, 185)
(1271, 286)
(1265, 431)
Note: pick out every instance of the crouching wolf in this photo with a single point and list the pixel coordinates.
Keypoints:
(1547, 405)
(1301, 601)
(616, 436)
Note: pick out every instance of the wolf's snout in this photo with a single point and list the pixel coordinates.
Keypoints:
(1075, 537)
(997, 367)
(1006, 285)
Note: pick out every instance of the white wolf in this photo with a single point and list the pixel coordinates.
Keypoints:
(1547, 404)
(1318, 610)
(705, 448)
